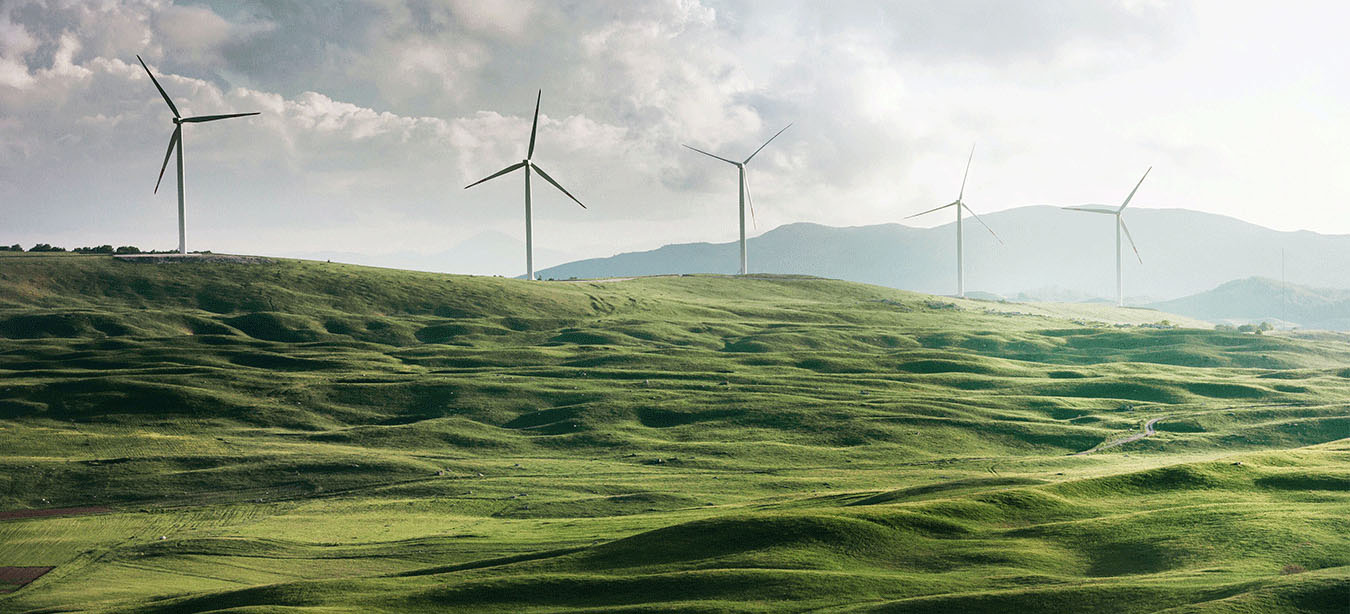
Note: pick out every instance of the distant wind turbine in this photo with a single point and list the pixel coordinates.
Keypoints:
(960, 204)
(528, 165)
(744, 187)
(176, 143)
(1120, 226)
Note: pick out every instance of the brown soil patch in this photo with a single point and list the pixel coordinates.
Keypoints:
(56, 511)
(15, 578)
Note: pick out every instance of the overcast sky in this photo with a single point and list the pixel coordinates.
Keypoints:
(376, 113)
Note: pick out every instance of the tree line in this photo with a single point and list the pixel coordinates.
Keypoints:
(101, 249)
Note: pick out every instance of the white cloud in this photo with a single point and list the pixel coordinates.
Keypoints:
(377, 112)
(63, 64)
(507, 18)
(15, 43)
(191, 29)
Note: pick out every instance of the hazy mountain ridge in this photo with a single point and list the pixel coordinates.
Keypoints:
(1184, 252)
(1258, 299)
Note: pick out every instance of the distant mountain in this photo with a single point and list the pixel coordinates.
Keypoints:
(1258, 299)
(1049, 251)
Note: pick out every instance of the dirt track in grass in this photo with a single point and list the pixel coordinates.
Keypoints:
(1147, 432)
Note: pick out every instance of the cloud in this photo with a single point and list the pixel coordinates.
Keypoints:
(192, 30)
(197, 36)
(376, 113)
(505, 18)
(15, 43)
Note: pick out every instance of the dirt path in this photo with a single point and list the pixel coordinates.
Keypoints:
(1148, 430)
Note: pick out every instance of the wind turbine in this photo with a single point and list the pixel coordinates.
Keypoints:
(176, 143)
(745, 187)
(528, 165)
(960, 204)
(1120, 225)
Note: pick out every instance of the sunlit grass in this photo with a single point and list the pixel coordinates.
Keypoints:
(336, 438)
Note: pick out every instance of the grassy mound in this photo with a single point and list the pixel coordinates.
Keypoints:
(315, 437)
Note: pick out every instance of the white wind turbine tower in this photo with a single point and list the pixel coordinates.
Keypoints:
(176, 144)
(960, 204)
(744, 187)
(1120, 226)
(528, 166)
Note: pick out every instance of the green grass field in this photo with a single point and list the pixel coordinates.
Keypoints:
(308, 437)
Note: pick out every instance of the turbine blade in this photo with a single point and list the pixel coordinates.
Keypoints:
(955, 202)
(157, 86)
(496, 174)
(173, 140)
(1127, 236)
(1136, 189)
(1092, 209)
(713, 155)
(766, 144)
(210, 118)
(535, 126)
(751, 200)
(986, 226)
(962, 196)
(555, 184)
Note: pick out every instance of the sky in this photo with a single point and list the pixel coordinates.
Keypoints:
(376, 113)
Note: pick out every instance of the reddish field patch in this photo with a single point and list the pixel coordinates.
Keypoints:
(56, 511)
(15, 578)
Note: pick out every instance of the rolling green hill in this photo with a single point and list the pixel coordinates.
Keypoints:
(272, 435)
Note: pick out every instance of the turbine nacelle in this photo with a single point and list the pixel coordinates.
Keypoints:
(960, 202)
(176, 143)
(746, 198)
(961, 209)
(529, 165)
(1119, 212)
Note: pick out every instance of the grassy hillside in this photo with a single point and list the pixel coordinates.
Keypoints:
(312, 437)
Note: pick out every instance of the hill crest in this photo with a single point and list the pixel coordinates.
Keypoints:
(1184, 252)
